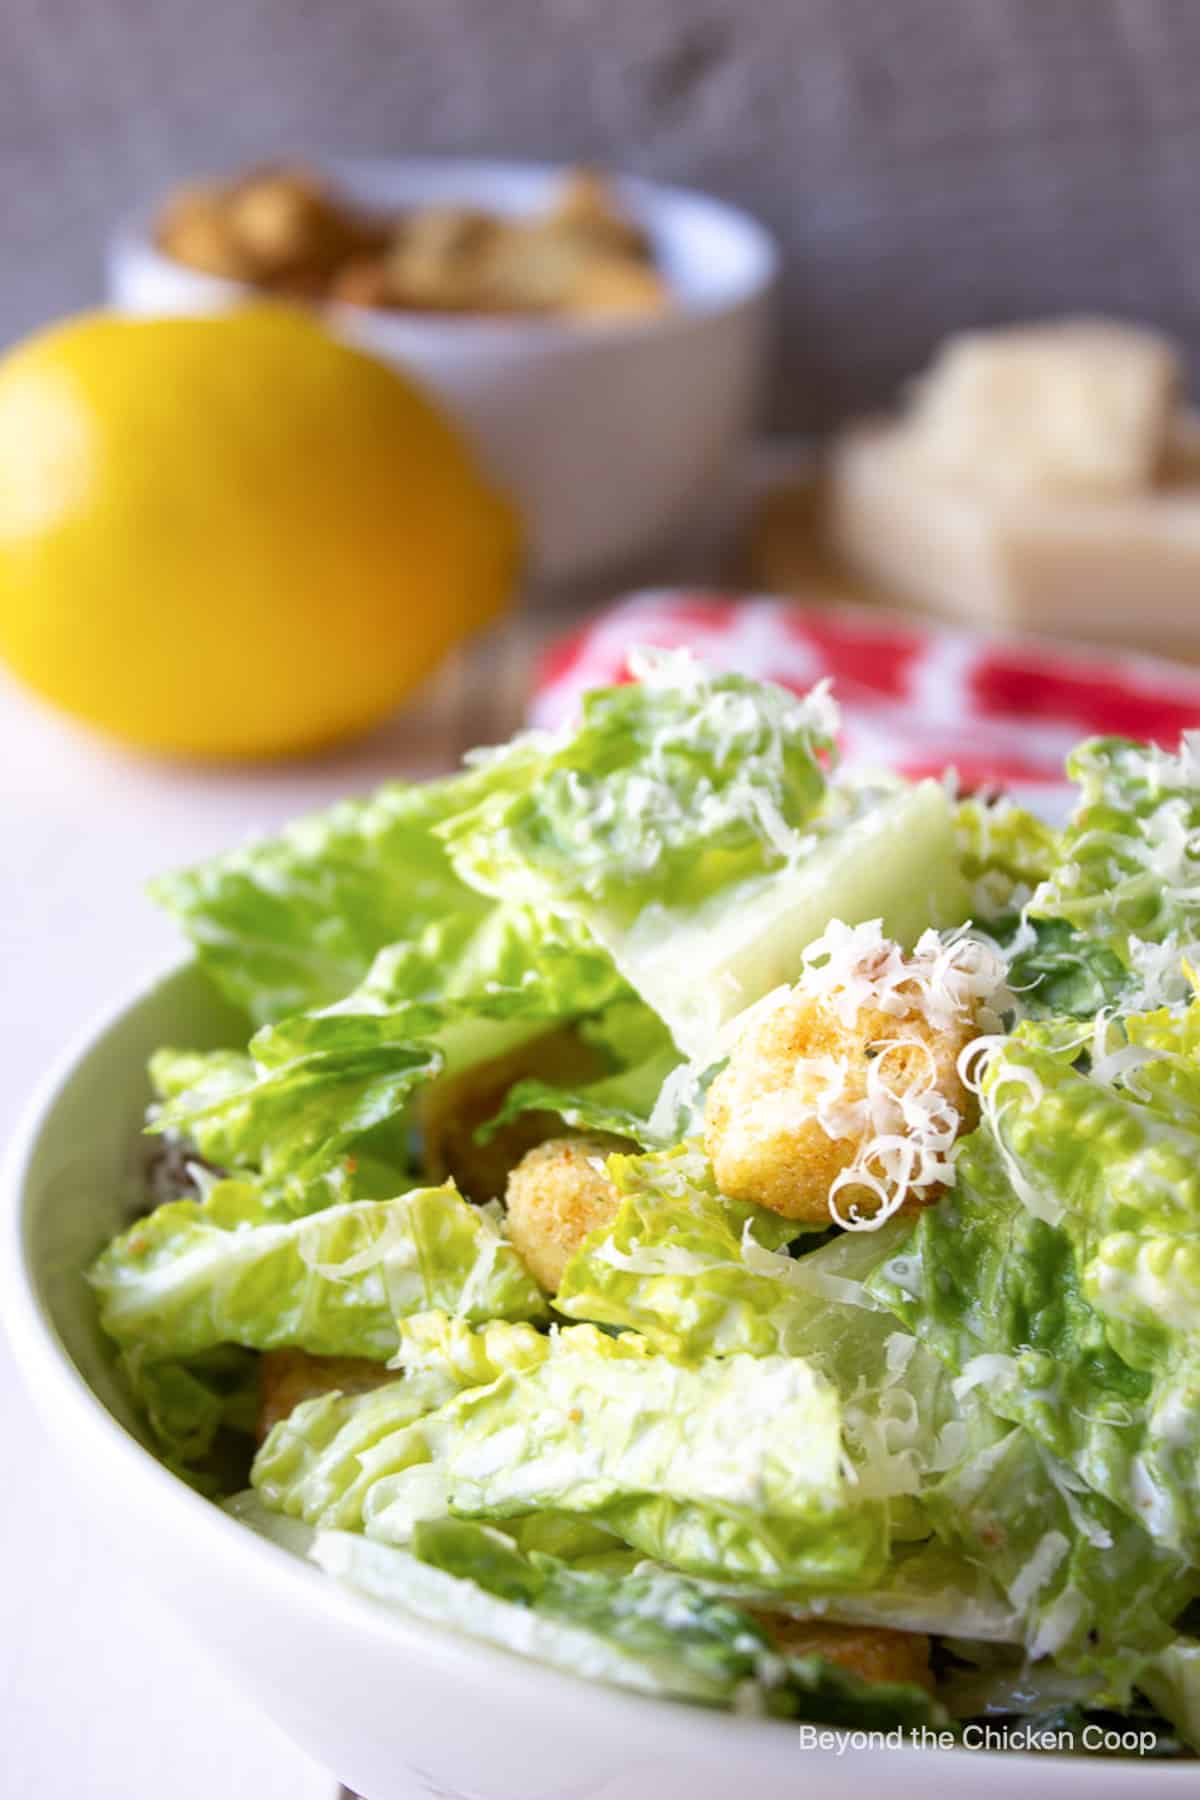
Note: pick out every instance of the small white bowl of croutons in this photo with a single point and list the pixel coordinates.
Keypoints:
(601, 340)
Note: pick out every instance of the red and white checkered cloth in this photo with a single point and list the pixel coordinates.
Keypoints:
(913, 697)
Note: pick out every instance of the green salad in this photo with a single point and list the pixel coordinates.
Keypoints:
(707, 1223)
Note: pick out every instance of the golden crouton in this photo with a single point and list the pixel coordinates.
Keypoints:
(282, 229)
(195, 229)
(588, 210)
(277, 227)
(361, 282)
(870, 1651)
(292, 225)
(286, 1377)
(842, 1096)
(763, 1128)
(615, 286)
(453, 1110)
(437, 259)
(557, 1195)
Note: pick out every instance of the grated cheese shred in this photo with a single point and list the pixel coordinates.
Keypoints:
(906, 1126)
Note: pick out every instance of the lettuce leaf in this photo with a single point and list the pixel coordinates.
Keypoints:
(686, 824)
(1026, 1554)
(1109, 1152)
(668, 788)
(1172, 1681)
(697, 962)
(652, 1631)
(294, 1119)
(319, 1084)
(1116, 919)
(593, 1645)
(228, 1270)
(730, 1468)
(1002, 1296)
(692, 1636)
(621, 1104)
(1049, 1282)
(641, 1056)
(886, 855)
(1129, 863)
(926, 1587)
(334, 1457)
(699, 1275)
(189, 1403)
(652, 1612)
(373, 969)
(196, 1084)
(1113, 1164)
(1057, 971)
(1004, 852)
(1091, 1588)
(294, 922)
(672, 1264)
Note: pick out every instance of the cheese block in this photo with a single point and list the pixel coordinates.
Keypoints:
(1079, 407)
(1125, 571)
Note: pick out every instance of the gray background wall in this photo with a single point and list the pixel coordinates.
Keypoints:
(927, 163)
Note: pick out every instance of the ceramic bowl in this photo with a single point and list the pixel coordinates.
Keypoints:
(391, 1706)
(610, 435)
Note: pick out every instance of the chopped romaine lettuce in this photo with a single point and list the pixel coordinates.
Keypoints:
(423, 1589)
(226, 1270)
(1057, 971)
(670, 1619)
(624, 1103)
(731, 1468)
(700, 1275)
(295, 1118)
(445, 1344)
(650, 1630)
(687, 825)
(668, 789)
(1117, 917)
(1091, 1588)
(1130, 861)
(295, 922)
(374, 970)
(1004, 852)
(1000, 1295)
(888, 856)
(333, 1457)
(1172, 1681)
(651, 1612)
(189, 1403)
(925, 1587)
(672, 1264)
(1110, 1157)
(321, 1083)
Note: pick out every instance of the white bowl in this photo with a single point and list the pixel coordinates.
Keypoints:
(608, 434)
(391, 1706)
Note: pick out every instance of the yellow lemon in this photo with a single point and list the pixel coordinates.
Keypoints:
(233, 536)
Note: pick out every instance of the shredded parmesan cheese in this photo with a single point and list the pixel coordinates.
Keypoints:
(862, 1056)
(908, 1127)
(946, 979)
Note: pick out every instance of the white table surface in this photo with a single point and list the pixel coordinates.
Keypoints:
(100, 1697)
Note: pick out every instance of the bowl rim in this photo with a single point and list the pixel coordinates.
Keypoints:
(133, 238)
(57, 1387)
